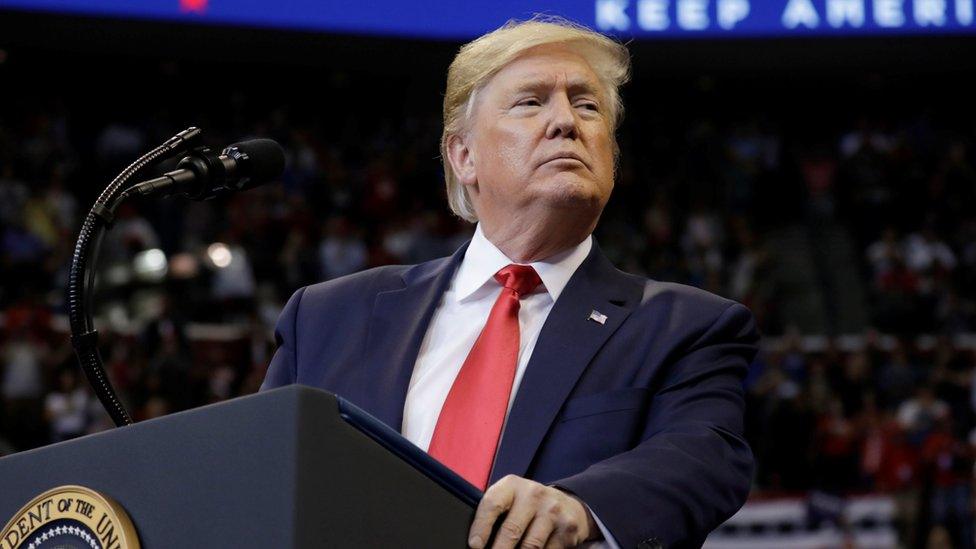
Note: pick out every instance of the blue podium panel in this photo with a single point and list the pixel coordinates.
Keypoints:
(277, 469)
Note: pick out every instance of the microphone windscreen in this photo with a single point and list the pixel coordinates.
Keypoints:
(267, 158)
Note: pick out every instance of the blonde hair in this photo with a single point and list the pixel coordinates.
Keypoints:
(479, 60)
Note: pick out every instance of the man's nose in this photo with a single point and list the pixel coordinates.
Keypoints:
(562, 121)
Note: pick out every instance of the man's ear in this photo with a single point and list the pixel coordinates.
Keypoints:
(461, 157)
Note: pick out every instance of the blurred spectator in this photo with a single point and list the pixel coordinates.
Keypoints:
(13, 195)
(835, 440)
(131, 233)
(919, 414)
(66, 408)
(949, 463)
(897, 378)
(233, 279)
(883, 255)
(22, 355)
(342, 251)
(928, 256)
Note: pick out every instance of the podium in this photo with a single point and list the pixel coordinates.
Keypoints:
(291, 467)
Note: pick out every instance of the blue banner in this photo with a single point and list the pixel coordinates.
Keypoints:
(457, 19)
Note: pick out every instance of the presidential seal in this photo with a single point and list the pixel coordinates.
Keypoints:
(70, 517)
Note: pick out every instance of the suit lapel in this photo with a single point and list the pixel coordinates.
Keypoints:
(568, 341)
(397, 326)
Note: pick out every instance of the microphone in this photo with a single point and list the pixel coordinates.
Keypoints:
(204, 174)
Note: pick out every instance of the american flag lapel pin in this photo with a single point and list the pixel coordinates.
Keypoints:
(598, 317)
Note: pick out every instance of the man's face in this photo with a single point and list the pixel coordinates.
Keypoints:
(540, 140)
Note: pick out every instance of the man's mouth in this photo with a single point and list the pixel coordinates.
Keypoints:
(566, 156)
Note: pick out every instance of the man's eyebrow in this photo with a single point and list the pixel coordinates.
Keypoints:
(539, 83)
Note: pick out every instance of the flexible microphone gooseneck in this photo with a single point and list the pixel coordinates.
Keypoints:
(201, 175)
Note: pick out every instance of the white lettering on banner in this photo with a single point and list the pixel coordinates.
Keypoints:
(731, 12)
(888, 13)
(692, 14)
(652, 15)
(930, 12)
(850, 12)
(610, 15)
(964, 12)
(800, 12)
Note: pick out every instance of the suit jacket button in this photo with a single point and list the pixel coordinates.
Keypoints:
(650, 543)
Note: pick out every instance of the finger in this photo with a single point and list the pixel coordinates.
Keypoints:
(565, 537)
(527, 502)
(569, 517)
(555, 543)
(539, 533)
(566, 533)
(497, 499)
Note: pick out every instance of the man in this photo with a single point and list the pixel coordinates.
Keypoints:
(592, 404)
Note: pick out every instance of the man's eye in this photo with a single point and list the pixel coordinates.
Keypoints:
(588, 106)
(529, 102)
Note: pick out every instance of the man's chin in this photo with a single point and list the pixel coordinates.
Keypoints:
(570, 191)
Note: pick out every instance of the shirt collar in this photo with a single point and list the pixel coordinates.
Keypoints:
(482, 260)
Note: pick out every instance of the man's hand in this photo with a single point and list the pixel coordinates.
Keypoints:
(538, 516)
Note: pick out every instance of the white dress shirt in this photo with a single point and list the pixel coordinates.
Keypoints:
(459, 319)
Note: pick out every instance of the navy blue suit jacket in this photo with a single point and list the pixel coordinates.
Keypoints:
(641, 417)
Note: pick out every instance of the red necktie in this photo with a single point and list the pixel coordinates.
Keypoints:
(470, 423)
